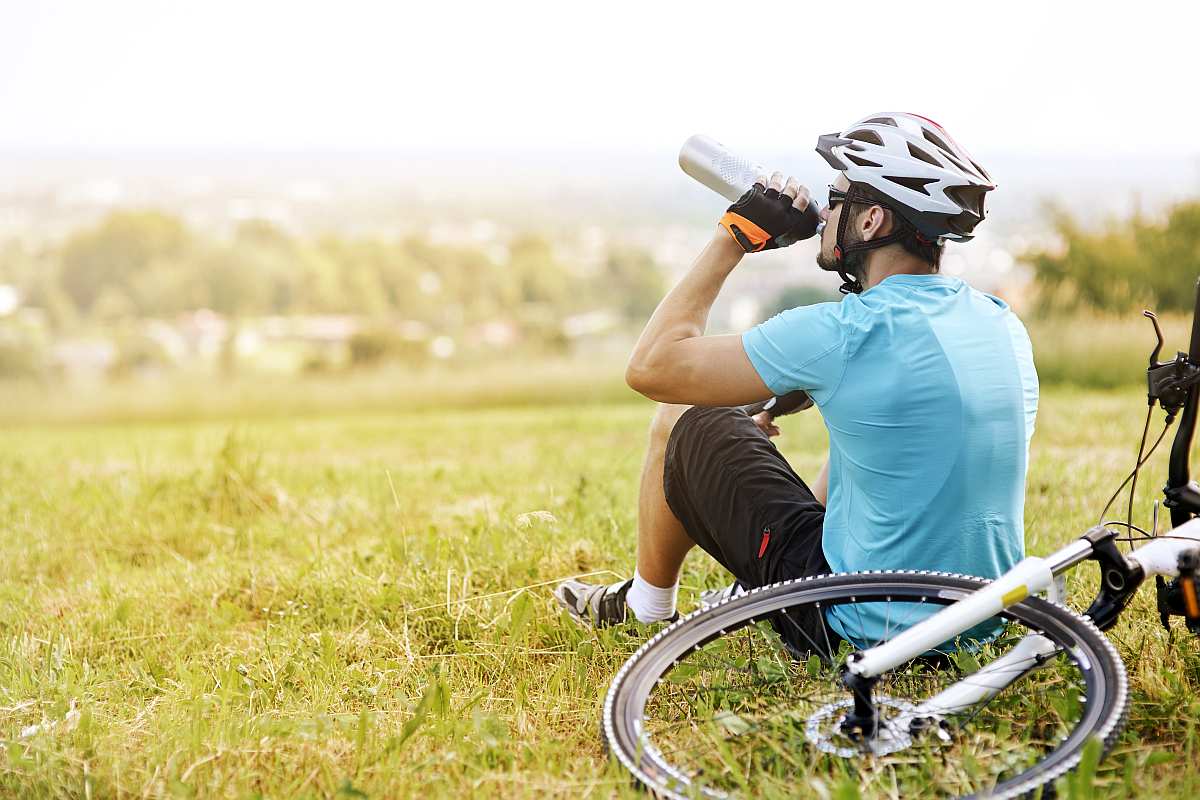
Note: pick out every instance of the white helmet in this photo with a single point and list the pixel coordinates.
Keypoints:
(937, 187)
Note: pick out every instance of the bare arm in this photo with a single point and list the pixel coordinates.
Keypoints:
(820, 486)
(674, 362)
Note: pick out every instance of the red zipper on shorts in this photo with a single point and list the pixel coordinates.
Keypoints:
(762, 548)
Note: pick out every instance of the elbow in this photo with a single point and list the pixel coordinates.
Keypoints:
(643, 379)
(651, 382)
(637, 377)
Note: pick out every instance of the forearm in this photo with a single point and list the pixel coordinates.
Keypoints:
(673, 361)
(683, 313)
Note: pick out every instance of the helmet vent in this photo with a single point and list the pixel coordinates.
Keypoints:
(870, 137)
(958, 162)
(969, 198)
(862, 162)
(920, 154)
(935, 139)
(916, 184)
(881, 121)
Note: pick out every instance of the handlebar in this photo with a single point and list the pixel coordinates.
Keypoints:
(1178, 472)
(1194, 345)
(781, 405)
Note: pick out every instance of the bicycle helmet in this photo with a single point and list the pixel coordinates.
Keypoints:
(934, 184)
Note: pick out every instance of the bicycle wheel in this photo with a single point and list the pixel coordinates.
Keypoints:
(713, 706)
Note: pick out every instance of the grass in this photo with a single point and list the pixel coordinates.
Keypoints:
(1100, 351)
(358, 603)
(190, 396)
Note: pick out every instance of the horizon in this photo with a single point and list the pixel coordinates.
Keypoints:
(629, 182)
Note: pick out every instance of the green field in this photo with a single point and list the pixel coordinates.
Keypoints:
(357, 603)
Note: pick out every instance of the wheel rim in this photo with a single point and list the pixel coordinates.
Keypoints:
(711, 708)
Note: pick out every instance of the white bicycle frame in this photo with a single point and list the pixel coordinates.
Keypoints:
(1030, 576)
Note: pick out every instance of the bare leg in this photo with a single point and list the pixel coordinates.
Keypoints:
(662, 541)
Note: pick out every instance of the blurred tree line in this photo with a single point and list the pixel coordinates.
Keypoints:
(146, 264)
(1125, 264)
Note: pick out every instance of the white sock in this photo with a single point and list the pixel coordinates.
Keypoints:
(648, 602)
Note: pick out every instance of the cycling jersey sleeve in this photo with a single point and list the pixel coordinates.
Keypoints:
(801, 348)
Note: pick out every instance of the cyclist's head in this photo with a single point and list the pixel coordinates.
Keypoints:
(870, 218)
(906, 182)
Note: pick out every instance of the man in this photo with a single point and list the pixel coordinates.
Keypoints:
(926, 386)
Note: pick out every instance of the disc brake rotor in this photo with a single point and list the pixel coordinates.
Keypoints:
(824, 728)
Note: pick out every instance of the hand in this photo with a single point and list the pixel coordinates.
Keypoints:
(766, 424)
(774, 213)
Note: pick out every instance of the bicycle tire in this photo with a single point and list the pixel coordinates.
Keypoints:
(1104, 708)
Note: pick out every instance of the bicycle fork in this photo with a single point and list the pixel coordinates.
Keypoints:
(1030, 653)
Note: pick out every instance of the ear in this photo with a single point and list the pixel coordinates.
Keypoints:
(874, 223)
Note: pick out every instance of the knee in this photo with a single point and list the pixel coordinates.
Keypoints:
(665, 417)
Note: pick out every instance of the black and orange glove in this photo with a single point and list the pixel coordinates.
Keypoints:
(764, 219)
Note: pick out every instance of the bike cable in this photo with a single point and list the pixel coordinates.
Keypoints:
(1138, 461)
(1132, 478)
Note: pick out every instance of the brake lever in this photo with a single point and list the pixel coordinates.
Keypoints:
(1158, 333)
(781, 405)
(1168, 382)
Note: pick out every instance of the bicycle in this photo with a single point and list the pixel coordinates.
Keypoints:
(995, 694)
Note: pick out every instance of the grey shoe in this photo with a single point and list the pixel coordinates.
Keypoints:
(595, 605)
(714, 596)
(598, 605)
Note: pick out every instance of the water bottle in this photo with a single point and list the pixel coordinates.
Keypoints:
(708, 161)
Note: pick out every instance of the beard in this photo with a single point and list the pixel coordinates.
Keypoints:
(852, 263)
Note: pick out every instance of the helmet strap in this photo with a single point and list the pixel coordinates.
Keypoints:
(852, 284)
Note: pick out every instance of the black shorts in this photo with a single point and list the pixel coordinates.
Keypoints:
(739, 499)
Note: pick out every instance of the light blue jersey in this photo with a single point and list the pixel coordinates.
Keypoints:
(929, 393)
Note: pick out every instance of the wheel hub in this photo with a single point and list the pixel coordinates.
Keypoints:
(824, 728)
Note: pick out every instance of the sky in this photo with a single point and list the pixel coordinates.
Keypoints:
(1087, 79)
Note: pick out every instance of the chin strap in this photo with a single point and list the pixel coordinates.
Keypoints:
(852, 284)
